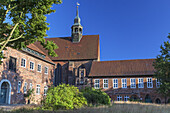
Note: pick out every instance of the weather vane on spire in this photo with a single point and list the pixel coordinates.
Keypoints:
(77, 9)
(78, 4)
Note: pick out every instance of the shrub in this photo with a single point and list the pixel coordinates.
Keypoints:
(96, 96)
(64, 97)
(29, 96)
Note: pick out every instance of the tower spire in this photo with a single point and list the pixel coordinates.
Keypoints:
(77, 28)
(77, 11)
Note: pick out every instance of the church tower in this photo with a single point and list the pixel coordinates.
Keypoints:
(77, 29)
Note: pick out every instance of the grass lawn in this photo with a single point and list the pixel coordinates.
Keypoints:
(115, 108)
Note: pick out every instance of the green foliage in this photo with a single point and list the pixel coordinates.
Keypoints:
(29, 93)
(23, 22)
(96, 96)
(30, 96)
(162, 66)
(1, 57)
(64, 97)
(134, 100)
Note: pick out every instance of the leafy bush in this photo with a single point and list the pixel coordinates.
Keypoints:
(64, 97)
(96, 96)
(29, 96)
(29, 93)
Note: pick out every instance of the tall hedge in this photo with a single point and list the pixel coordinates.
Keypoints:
(96, 96)
(64, 97)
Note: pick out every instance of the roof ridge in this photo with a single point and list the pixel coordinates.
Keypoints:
(68, 36)
(126, 60)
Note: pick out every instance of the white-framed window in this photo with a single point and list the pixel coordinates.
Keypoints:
(45, 90)
(124, 83)
(126, 98)
(25, 87)
(23, 62)
(132, 83)
(149, 83)
(115, 83)
(140, 83)
(38, 89)
(46, 70)
(31, 65)
(96, 83)
(158, 83)
(119, 98)
(30, 86)
(19, 86)
(39, 68)
(105, 83)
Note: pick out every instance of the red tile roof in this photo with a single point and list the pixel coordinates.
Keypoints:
(35, 48)
(122, 68)
(87, 48)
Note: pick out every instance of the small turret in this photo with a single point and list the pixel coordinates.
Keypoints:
(77, 29)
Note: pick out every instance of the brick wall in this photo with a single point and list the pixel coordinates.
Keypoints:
(140, 93)
(24, 74)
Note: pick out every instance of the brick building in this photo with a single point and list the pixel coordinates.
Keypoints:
(126, 79)
(23, 70)
(78, 63)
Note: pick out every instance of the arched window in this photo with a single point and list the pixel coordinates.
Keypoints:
(5, 93)
(148, 99)
(82, 74)
(76, 30)
(158, 101)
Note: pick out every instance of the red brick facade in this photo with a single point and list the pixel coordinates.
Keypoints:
(139, 93)
(78, 63)
(24, 75)
(79, 72)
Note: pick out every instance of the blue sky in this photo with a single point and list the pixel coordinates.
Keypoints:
(128, 29)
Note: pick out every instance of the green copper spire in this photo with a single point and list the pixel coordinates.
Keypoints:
(77, 28)
(77, 11)
(77, 18)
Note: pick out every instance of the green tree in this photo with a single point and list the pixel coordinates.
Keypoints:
(64, 97)
(96, 96)
(162, 66)
(23, 22)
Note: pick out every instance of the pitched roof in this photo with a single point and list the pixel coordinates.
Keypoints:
(35, 48)
(87, 48)
(122, 68)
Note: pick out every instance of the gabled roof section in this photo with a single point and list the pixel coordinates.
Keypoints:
(87, 48)
(122, 68)
(35, 48)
